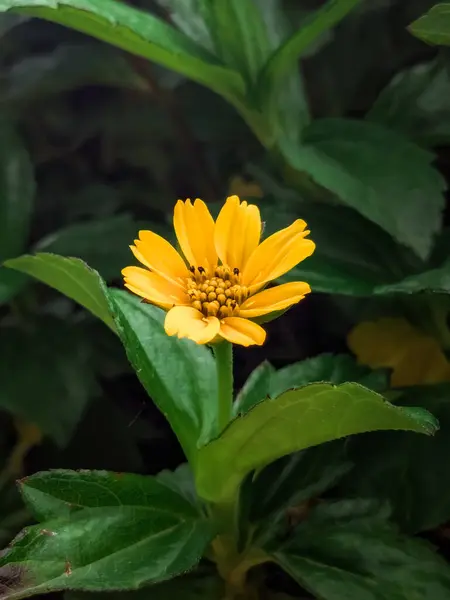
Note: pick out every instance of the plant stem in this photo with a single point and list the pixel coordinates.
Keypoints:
(223, 352)
(290, 51)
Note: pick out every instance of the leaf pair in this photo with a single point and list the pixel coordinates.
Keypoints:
(103, 531)
(180, 378)
(97, 523)
(378, 173)
(347, 549)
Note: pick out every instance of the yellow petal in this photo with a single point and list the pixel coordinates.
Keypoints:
(381, 343)
(237, 232)
(242, 331)
(160, 256)
(188, 322)
(278, 254)
(194, 227)
(273, 299)
(153, 287)
(423, 363)
(414, 357)
(28, 436)
(439, 370)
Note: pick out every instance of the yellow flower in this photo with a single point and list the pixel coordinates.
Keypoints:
(240, 187)
(215, 291)
(414, 357)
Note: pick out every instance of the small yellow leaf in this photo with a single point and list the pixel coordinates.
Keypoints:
(414, 357)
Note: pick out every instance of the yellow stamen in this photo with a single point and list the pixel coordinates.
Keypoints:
(217, 293)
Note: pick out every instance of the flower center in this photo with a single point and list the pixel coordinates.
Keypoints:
(216, 294)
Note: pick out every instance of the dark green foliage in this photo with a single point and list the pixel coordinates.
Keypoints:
(109, 112)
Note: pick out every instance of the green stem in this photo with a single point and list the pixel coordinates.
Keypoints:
(285, 59)
(287, 55)
(223, 352)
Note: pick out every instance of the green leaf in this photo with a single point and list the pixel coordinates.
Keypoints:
(139, 33)
(350, 259)
(67, 67)
(284, 60)
(46, 384)
(255, 389)
(265, 381)
(343, 57)
(290, 482)
(70, 276)
(189, 17)
(435, 280)
(333, 368)
(386, 178)
(17, 189)
(144, 533)
(434, 26)
(182, 481)
(11, 283)
(9, 22)
(240, 36)
(358, 258)
(407, 471)
(414, 104)
(296, 420)
(286, 57)
(289, 105)
(102, 244)
(348, 550)
(60, 493)
(441, 250)
(179, 375)
(193, 586)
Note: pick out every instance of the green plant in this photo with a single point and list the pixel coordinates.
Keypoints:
(373, 198)
(149, 529)
(433, 27)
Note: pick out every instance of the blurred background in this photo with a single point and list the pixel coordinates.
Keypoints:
(96, 144)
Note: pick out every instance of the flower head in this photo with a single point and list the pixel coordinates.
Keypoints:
(215, 289)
